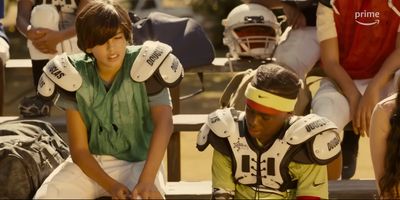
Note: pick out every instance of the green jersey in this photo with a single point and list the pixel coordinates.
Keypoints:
(117, 118)
(311, 180)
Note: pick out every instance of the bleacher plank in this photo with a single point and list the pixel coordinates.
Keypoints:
(8, 118)
(342, 189)
(188, 190)
(19, 63)
(182, 122)
(188, 122)
(353, 189)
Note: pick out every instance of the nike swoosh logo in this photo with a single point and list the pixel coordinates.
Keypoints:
(368, 23)
(317, 184)
(262, 97)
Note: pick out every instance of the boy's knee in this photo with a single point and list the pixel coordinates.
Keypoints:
(332, 106)
(4, 51)
(45, 16)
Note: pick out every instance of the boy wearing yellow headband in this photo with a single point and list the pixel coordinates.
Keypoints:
(266, 151)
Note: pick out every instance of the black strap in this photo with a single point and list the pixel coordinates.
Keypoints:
(202, 89)
(326, 3)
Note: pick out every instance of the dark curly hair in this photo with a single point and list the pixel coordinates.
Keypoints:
(278, 80)
(390, 180)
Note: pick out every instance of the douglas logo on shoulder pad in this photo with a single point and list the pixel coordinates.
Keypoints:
(56, 72)
(155, 55)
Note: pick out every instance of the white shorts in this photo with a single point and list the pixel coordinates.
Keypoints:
(332, 104)
(4, 51)
(68, 181)
(299, 50)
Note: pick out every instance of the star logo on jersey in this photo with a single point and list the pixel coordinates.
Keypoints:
(239, 146)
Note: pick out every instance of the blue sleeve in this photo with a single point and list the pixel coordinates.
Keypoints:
(162, 98)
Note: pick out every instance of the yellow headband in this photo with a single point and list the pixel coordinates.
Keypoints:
(269, 100)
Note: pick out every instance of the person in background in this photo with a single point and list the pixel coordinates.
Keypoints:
(298, 48)
(49, 29)
(253, 33)
(4, 55)
(360, 59)
(385, 146)
(299, 35)
(267, 152)
(118, 133)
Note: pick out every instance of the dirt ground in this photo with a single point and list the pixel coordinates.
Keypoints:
(19, 84)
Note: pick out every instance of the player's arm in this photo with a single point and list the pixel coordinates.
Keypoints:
(222, 179)
(312, 181)
(162, 120)
(79, 148)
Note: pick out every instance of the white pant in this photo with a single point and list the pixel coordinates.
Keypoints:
(332, 104)
(68, 181)
(4, 51)
(299, 50)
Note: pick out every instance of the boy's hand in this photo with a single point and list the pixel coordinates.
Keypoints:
(42, 39)
(120, 191)
(146, 191)
(354, 101)
(50, 40)
(365, 108)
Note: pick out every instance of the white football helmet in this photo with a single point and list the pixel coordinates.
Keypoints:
(251, 30)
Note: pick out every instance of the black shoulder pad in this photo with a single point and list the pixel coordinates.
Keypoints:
(64, 99)
(302, 155)
(153, 87)
(326, 3)
(219, 144)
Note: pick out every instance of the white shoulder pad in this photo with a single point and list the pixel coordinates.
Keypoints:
(221, 122)
(306, 127)
(62, 73)
(151, 55)
(171, 70)
(46, 87)
(202, 137)
(326, 145)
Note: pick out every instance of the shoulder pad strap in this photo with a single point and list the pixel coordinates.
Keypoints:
(326, 3)
(63, 73)
(221, 122)
(326, 146)
(202, 137)
(46, 87)
(150, 57)
(306, 127)
(170, 71)
(206, 136)
(169, 74)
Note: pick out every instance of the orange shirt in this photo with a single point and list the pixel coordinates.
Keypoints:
(366, 33)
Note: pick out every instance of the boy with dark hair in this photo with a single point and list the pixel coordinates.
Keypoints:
(118, 133)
